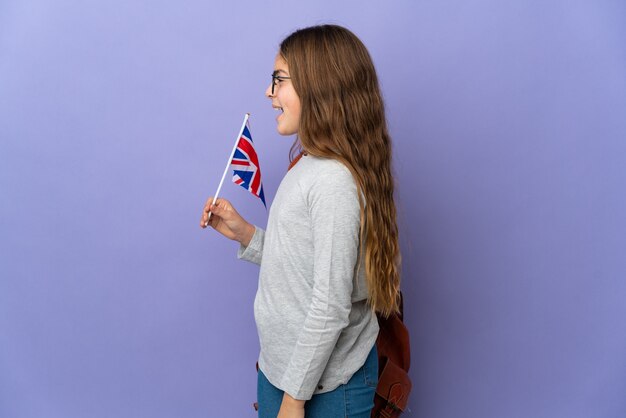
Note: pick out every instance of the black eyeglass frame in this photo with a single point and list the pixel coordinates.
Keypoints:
(276, 78)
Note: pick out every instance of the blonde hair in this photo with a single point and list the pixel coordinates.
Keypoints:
(343, 117)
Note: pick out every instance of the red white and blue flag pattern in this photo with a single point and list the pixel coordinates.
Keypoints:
(245, 164)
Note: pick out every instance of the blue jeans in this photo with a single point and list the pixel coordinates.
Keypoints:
(354, 399)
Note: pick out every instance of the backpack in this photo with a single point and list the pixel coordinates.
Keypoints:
(394, 360)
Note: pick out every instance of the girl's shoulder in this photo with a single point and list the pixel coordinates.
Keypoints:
(323, 168)
(324, 174)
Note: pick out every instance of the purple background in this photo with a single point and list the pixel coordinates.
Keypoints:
(509, 123)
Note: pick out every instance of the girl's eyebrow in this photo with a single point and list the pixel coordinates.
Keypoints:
(276, 72)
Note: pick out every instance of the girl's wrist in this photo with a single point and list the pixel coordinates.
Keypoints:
(247, 235)
(288, 400)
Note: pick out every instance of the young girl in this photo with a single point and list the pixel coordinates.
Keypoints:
(329, 258)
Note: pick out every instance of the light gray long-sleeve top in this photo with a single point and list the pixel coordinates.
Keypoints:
(311, 311)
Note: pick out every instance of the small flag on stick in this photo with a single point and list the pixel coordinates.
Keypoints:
(245, 163)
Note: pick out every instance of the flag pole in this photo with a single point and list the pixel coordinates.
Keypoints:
(243, 125)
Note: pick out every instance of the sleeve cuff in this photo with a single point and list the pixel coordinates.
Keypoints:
(254, 251)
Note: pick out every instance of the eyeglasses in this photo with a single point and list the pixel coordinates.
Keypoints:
(276, 79)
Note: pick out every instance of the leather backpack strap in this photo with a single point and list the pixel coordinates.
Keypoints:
(295, 160)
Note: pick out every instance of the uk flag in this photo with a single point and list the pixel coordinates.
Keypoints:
(245, 164)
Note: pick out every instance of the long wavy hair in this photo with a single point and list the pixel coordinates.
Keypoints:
(343, 117)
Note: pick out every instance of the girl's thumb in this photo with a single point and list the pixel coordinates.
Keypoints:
(217, 210)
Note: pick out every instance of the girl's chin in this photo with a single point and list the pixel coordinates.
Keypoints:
(285, 130)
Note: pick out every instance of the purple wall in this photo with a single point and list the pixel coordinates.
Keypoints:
(116, 118)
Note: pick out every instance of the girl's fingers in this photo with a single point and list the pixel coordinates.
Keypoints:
(217, 211)
(205, 213)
